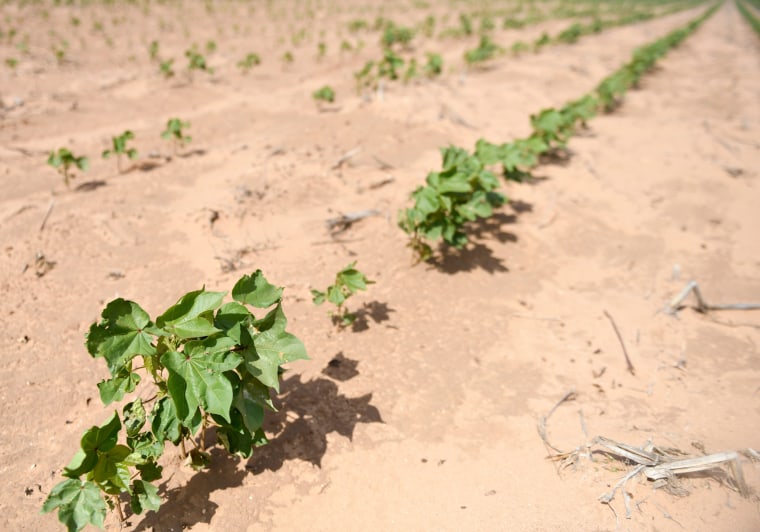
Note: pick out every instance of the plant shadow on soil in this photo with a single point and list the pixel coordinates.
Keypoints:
(477, 254)
(376, 311)
(318, 408)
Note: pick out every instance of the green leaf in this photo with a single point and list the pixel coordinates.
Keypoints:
(114, 389)
(255, 290)
(134, 417)
(165, 423)
(234, 319)
(144, 497)
(335, 295)
(247, 403)
(235, 436)
(150, 471)
(94, 441)
(426, 200)
(282, 346)
(146, 445)
(192, 315)
(263, 368)
(202, 367)
(318, 297)
(79, 503)
(107, 468)
(275, 320)
(121, 335)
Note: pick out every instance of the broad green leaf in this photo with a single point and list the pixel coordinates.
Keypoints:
(255, 290)
(202, 367)
(334, 295)
(146, 445)
(150, 471)
(144, 497)
(235, 436)
(184, 409)
(79, 503)
(121, 335)
(259, 393)
(104, 437)
(458, 183)
(192, 315)
(249, 407)
(318, 297)
(234, 318)
(353, 278)
(106, 468)
(275, 320)
(263, 368)
(114, 389)
(82, 462)
(165, 423)
(134, 417)
(280, 346)
(426, 201)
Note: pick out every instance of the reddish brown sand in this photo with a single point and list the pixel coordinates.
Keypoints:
(428, 422)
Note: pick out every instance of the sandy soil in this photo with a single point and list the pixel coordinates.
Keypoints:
(427, 420)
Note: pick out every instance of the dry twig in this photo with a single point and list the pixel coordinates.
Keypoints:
(702, 305)
(631, 369)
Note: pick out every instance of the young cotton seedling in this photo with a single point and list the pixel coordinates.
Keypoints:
(204, 364)
(63, 161)
(324, 94)
(463, 191)
(153, 51)
(485, 50)
(120, 149)
(174, 133)
(248, 62)
(165, 67)
(347, 282)
(196, 61)
(434, 65)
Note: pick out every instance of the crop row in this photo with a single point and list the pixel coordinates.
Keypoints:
(465, 190)
(753, 20)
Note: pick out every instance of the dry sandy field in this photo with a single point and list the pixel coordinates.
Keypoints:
(425, 414)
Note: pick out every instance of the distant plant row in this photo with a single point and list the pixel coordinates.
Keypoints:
(64, 161)
(465, 189)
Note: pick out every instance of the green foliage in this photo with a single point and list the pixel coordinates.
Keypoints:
(542, 41)
(153, 49)
(11, 62)
(427, 26)
(175, 132)
(196, 61)
(357, 25)
(119, 148)
(248, 62)
(64, 161)
(411, 70)
(390, 65)
(753, 20)
(321, 49)
(485, 50)
(463, 191)
(165, 67)
(394, 34)
(211, 364)
(324, 94)
(211, 47)
(434, 65)
(287, 57)
(348, 281)
(571, 34)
